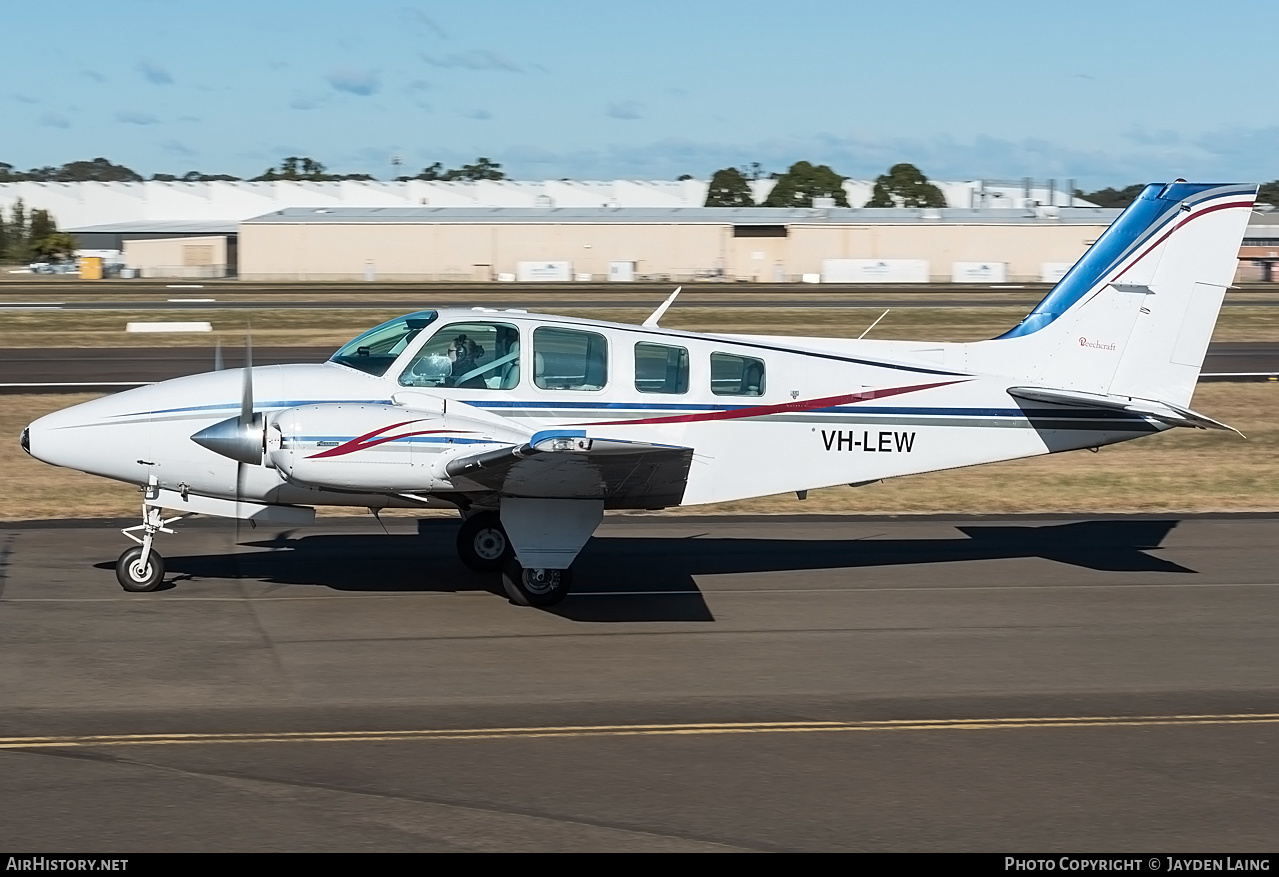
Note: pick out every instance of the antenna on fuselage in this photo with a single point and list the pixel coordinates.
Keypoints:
(651, 322)
(873, 325)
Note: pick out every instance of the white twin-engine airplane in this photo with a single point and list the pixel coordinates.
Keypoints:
(531, 426)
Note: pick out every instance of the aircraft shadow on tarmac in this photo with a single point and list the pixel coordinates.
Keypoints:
(622, 578)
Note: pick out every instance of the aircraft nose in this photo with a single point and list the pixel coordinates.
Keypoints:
(25, 440)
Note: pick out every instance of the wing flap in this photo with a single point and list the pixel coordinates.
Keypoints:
(565, 464)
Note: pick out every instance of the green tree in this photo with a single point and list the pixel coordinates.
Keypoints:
(43, 240)
(483, 169)
(18, 231)
(99, 170)
(292, 168)
(905, 186)
(1115, 197)
(192, 177)
(429, 173)
(42, 225)
(729, 188)
(4, 238)
(58, 245)
(804, 182)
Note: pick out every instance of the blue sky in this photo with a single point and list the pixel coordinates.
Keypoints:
(1107, 93)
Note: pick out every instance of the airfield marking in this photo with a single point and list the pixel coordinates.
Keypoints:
(372, 595)
(696, 729)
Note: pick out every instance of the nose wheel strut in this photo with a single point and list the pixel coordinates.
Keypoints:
(141, 568)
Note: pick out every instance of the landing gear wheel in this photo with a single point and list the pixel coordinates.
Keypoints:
(535, 587)
(482, 543)
(133, 576)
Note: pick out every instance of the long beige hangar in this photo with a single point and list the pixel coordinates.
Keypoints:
(676, 244)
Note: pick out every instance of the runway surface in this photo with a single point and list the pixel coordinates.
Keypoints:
(713, 684)
(539, 304)
(545, 297)
(76, 369)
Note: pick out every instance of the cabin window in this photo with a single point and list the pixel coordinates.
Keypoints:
(471, 356)
(736, 375)
(569, 359)
(661, 369)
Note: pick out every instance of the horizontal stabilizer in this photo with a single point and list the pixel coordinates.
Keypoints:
(565, 464)
(1165, 412)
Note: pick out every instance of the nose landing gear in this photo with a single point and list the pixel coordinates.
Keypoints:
(141, 568)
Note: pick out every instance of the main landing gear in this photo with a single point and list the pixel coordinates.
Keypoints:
(484, 546)
(141, 568)
(535, 587)
(482, 543)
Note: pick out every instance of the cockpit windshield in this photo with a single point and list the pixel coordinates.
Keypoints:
(376, 349)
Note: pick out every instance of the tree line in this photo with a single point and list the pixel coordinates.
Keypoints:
(30, 236)
(903, 186)
(1267, 194)
(295, 167)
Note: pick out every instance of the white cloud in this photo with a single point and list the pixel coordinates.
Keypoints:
(423, 21)
(475, 59)
(175, 148)
(154, 73)
(131, 117)
(627, 109)
(356, 81)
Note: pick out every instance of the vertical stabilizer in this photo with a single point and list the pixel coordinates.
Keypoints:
(1134, 316)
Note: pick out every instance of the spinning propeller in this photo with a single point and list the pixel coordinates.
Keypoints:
(241, 438)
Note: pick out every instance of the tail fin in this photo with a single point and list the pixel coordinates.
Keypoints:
(1133, 317)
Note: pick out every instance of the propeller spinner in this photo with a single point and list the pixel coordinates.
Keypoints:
(240, 438)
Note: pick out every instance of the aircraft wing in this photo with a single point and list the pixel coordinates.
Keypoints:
(565, 464)
(1166, 412)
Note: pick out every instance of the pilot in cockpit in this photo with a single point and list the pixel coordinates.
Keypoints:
(465, 356)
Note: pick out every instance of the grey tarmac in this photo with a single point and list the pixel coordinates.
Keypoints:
(753, 683)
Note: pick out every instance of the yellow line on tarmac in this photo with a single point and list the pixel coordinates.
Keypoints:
(632, 730)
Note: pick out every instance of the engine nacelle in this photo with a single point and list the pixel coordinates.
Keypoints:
(375, 448)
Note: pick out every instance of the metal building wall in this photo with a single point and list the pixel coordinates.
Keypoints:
(461, 252)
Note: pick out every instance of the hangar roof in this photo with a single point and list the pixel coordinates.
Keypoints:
(164, 226)
(683, 215)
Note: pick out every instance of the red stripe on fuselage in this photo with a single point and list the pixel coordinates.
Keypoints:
(763, 410)
(369, 440)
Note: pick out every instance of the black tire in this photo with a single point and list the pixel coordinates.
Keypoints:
(132, 577)
(482, 543)
(535, 587)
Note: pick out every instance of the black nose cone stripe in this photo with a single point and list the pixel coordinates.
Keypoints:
(25, 440)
